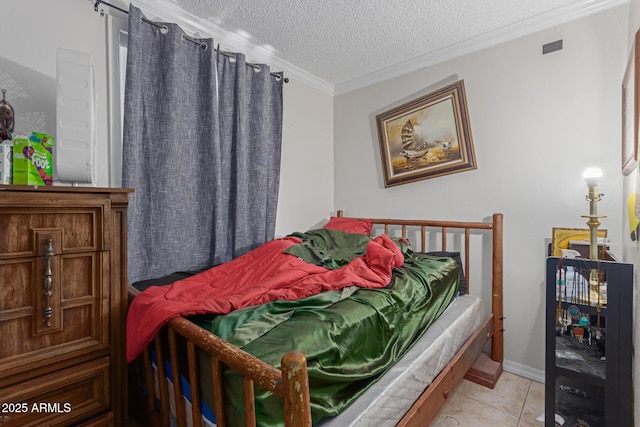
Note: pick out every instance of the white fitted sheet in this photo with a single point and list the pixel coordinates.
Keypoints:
(386, 401)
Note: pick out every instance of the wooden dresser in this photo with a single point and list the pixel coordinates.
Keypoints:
(63, 304)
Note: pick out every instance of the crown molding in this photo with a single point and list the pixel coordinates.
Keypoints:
(164, 9)
(540, 22)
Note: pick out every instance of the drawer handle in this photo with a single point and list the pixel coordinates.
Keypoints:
(48, 282)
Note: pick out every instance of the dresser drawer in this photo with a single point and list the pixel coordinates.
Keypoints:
(57, 399)
(72, 320)
(72, 229)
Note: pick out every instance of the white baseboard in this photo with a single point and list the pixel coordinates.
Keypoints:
(523, 371)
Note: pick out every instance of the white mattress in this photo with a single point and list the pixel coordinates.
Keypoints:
(386, 401)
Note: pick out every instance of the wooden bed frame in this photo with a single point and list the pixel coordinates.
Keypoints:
(180, 338)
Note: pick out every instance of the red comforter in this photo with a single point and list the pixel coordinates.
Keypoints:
(260, 276)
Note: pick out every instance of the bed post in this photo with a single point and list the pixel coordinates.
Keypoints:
(486, 370)
(295, 381)
(497, 342)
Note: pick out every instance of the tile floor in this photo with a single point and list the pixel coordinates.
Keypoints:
(513, 402)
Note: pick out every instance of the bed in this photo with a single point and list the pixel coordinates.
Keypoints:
(424, 373)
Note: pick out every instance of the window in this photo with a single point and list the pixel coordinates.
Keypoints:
(117, 50)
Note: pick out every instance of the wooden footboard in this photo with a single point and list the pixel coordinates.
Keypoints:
(294, 390)
(290, 382)
(179, 340)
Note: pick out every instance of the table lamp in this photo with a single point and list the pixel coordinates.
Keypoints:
(591, 176)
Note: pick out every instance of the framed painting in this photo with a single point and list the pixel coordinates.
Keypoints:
(630, 111)
(562, 238)
(427, 137)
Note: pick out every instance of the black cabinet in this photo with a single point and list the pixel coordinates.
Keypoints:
(588, 361)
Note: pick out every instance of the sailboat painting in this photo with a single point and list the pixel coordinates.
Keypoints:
(427, 137)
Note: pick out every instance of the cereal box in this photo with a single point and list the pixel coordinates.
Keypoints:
(33, 159)
(6, 162)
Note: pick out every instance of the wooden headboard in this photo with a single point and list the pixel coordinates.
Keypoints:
(421, 232)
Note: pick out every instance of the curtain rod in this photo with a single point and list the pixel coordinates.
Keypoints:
(98, 2)
(164, 27)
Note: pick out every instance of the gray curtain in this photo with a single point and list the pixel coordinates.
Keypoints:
(250, 137)
(202, 195)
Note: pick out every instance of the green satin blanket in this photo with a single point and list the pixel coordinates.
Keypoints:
(350, 337)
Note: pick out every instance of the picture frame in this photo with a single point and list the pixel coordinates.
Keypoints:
(427, 137)
(561, 238)
(630, 117)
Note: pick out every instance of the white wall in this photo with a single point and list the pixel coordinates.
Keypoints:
(306, 179)
(537, 122)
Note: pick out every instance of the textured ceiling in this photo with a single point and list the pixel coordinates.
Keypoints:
(343, 41)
